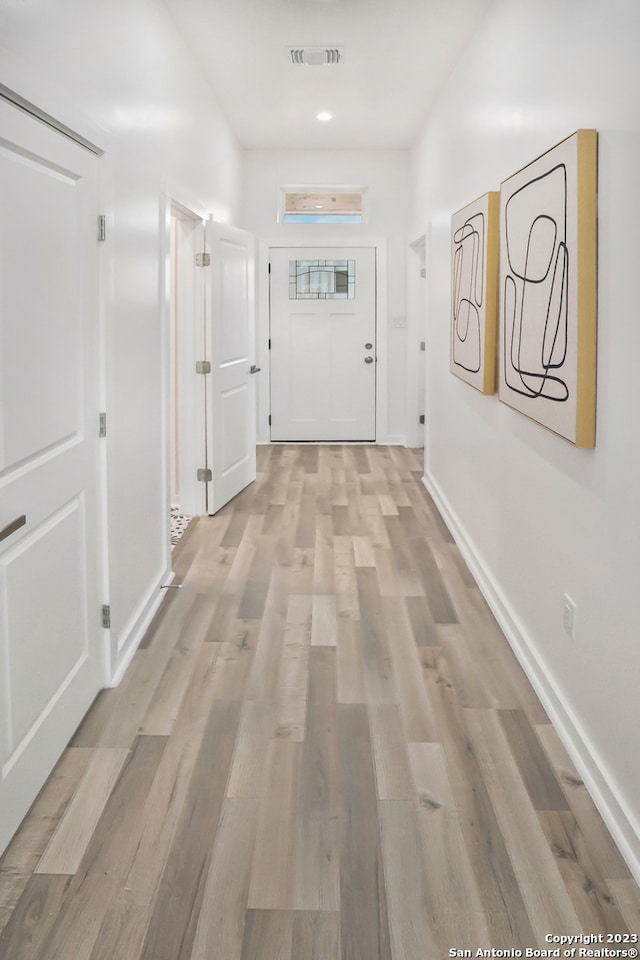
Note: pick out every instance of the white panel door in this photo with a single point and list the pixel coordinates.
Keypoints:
(323, 343)
(51, 652)
(231, 402)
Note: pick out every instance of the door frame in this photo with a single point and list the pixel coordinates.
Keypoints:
(173, 200)
(332, 238)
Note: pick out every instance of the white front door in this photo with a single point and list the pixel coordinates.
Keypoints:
(51, 638)
(230, 333)
(323, 343)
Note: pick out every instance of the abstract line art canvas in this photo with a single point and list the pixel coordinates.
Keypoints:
(474, 292)
(548, 287)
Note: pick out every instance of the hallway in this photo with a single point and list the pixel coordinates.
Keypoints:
(323, 748)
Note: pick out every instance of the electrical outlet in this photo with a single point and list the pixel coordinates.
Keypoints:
(568, 615)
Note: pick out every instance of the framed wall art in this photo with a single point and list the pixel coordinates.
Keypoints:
(548, 289)
(474, 292)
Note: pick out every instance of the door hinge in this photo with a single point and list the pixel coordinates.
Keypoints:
(102, 227)
(269, 268)
(269, 419)
(269, 343)
(106, 616)
(102, 429)
(203, 259)
(203, 366)
(422, 418)
(423, 345)
(205, 474)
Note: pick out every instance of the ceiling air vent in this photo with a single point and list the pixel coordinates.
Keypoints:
(316, 56)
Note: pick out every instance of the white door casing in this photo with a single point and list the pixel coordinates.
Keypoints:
(230, 344)
(187, 387)
(323, 353)
(52, 646)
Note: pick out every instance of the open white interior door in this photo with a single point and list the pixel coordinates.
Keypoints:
(230, 333)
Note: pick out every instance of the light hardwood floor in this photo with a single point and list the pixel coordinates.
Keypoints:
(323, 750)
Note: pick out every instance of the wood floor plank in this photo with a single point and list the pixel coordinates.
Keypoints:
(548, 903)
(388, 583)
(503, 905)
(291, 695)
(581, 805)
(315, 935)
(413, 695)
(263, 678)
(410, 925)
(164, 706)
(351, 685)
(627, 898)
(177, 904)
(22, 855)
(589, 892)
(391, 764)
(323, 621)
(273, 873)
(374, 643)
(114, 842)
(346, 583)
(422, 623)
(220, 929)
(29, 926)
(324, 561)
(76, 926)
(535, 769)
(317, 864)
(268, 933)
(74, 832)
(364, 923)
(247, 769)
(452, 891)
(126, 924)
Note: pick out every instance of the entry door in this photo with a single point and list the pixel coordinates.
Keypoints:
(323, 344)
(51, 648)
(231, 402)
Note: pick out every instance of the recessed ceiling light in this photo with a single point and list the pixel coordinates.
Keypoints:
(324, 116)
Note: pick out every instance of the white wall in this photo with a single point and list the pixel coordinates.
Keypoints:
(535, 516)
(118, 72)
(385, 175)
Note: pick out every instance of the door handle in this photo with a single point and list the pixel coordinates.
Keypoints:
(368, 359)
(13, 526)
(254, 369)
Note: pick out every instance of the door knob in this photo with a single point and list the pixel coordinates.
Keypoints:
(368, 359)
(254, 369)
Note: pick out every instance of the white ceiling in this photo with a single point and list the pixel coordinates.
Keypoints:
(397, 54)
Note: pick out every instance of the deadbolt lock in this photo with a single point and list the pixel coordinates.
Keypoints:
(368, 359)
(368, 346)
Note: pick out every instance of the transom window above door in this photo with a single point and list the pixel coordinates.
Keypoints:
(322, 205)
(322, 279)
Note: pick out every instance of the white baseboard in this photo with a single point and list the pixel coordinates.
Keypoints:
(393, 440)
(621, 825)
(135, 630)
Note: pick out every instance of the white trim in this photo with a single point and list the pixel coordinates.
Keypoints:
(621, 824)
(138, 625)
(332, 239)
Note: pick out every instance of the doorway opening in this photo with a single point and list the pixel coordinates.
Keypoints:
(186, 391)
